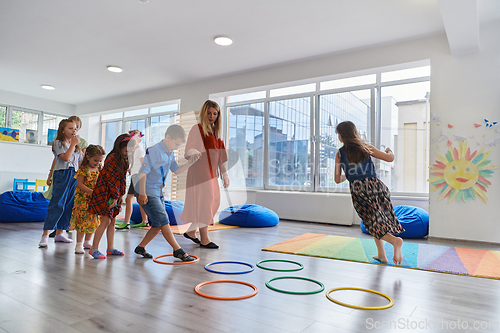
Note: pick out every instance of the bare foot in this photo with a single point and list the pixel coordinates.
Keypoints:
(398, 255)
(381, 259)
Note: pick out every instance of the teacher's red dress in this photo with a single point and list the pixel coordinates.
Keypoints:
(202, 188)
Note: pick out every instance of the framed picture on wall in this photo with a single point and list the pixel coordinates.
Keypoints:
(9, 134)
(31, 136)
(51, 136)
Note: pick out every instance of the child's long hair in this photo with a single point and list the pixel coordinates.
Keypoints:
(205, 124)
(60, 135)
(92, 150)
(76, 119)
(120, 142)
(356, 149)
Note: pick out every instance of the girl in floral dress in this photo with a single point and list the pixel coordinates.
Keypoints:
(82, 221)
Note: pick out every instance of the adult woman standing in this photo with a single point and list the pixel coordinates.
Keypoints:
(202, 186)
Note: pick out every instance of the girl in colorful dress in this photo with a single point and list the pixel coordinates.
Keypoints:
(67, 159)
(202, 186)
(106, 199)
(81, 220)
(370, 197)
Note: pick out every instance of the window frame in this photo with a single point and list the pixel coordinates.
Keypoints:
(374, 122)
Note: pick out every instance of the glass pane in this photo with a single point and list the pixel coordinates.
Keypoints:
(50, 122)
(409, 73)
(110, 132)
(112, 116)
(158, 127)
(165, 108)
(136, 112)
(3, 115)
(289, 151)
(333, 109)
(305, 88)
(246, 137)
(24, 120)
(140, 125)
(246, 97)
(405, 113)
(348, 82)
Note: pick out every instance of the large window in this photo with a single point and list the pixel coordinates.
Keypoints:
(25, 120)
(151, 121)
(50, 122)
(3, 116)
(285, 135)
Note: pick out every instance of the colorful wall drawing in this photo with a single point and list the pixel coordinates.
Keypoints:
(461, 175)
(9, 134)
(31, 136)
(51, 136)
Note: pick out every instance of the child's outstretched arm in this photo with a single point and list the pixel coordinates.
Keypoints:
(339, 177)
(185, 166)
(49, 177)
(387, 156)
(79, 184)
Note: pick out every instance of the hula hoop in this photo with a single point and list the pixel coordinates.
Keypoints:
(229, 262)
(268, 284)
(197, 289)
(155, 259)
(280, 270)
(360, 307)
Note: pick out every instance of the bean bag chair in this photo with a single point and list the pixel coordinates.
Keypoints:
(174, 209)
(248, 216)
(414, 220)
(23, 206)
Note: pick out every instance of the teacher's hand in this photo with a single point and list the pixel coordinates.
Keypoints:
(225, 177)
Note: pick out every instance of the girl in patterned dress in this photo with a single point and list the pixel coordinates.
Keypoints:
(106, 199)
(370, 196)
(81, 220)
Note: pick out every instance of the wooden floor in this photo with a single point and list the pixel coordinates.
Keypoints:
(55, 290)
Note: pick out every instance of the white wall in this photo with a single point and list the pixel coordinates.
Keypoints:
(35, 103)
(463, 91)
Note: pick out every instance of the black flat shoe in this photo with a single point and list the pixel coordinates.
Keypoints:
(194, 239)
(210, 245)
(52, 234)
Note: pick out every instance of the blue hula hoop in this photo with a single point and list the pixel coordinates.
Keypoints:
(229, 262)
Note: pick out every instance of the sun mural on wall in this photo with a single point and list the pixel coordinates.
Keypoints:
(461, 175)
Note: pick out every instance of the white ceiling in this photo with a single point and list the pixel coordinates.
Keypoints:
(69, 43)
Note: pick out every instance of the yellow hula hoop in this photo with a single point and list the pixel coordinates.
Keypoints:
(383, 307)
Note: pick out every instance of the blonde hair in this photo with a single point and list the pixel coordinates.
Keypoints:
(134, 131)
(76, 119)
(216, 128)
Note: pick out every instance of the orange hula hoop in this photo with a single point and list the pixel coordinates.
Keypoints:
(197, 289)
(155, 259)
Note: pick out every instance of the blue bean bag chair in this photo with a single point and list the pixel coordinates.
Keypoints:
(174, 210)
(414, 220)
(249, 216)
(23, 206)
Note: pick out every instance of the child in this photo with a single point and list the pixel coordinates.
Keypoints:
(106, 199)
(158, 161)
(135, 158)
(369, 195)
(67, 158)
(81, 220)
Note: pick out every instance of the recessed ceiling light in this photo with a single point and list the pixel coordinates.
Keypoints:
(224, 41)
(46, 86)
(115, 69)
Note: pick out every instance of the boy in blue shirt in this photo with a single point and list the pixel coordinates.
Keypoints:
(158, 161)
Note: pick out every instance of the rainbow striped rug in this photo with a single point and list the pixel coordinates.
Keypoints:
(436, 258)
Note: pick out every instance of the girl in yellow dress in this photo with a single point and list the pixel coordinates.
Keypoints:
(81, 220)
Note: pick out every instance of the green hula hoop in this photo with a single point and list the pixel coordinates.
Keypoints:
(268, 284)
(280, 270)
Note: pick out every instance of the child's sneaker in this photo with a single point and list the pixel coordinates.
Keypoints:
(122, 225)
(114, 252)
(142, 251)
(182, 255)
(139, 225)
(96, 254)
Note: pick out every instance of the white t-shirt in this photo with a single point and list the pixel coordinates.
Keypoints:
(135, 160)
(58, 148)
